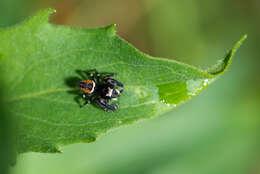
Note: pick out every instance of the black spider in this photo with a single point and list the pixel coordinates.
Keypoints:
(101, 90)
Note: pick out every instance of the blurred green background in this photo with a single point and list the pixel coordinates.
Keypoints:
(216, 132)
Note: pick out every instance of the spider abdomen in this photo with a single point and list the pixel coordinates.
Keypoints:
(87, 86)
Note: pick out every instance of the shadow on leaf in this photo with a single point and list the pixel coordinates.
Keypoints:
(72, 83)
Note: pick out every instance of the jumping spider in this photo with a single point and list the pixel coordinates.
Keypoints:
(100, 90)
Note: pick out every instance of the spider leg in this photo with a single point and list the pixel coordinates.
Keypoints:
(110, 75)
(98, 76)
(92, 76)
(77, 99)
(114, 82)
(84, 96)
(120, 87)
(98, 79)
(103, 103)
(86, 103)
(82, 74)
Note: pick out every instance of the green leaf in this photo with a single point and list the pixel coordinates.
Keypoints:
(4, 140)
(39, 61)
(7, 154)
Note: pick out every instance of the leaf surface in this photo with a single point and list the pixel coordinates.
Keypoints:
(40, 62)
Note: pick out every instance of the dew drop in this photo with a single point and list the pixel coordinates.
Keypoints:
(205, 83)
(193, 86)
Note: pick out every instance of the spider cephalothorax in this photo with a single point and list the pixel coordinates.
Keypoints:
(101, 90)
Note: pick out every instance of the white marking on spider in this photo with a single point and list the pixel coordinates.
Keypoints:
(117, 91)
(109, 93)
(92, 90)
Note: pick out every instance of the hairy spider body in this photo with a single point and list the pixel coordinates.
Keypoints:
(101, 90)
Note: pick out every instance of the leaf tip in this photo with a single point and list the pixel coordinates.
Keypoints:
(239, 43)
(49, 11)
(42, 16)
(111, 30)
(224, 64)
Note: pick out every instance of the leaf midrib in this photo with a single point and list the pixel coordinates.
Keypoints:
(16, 81)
